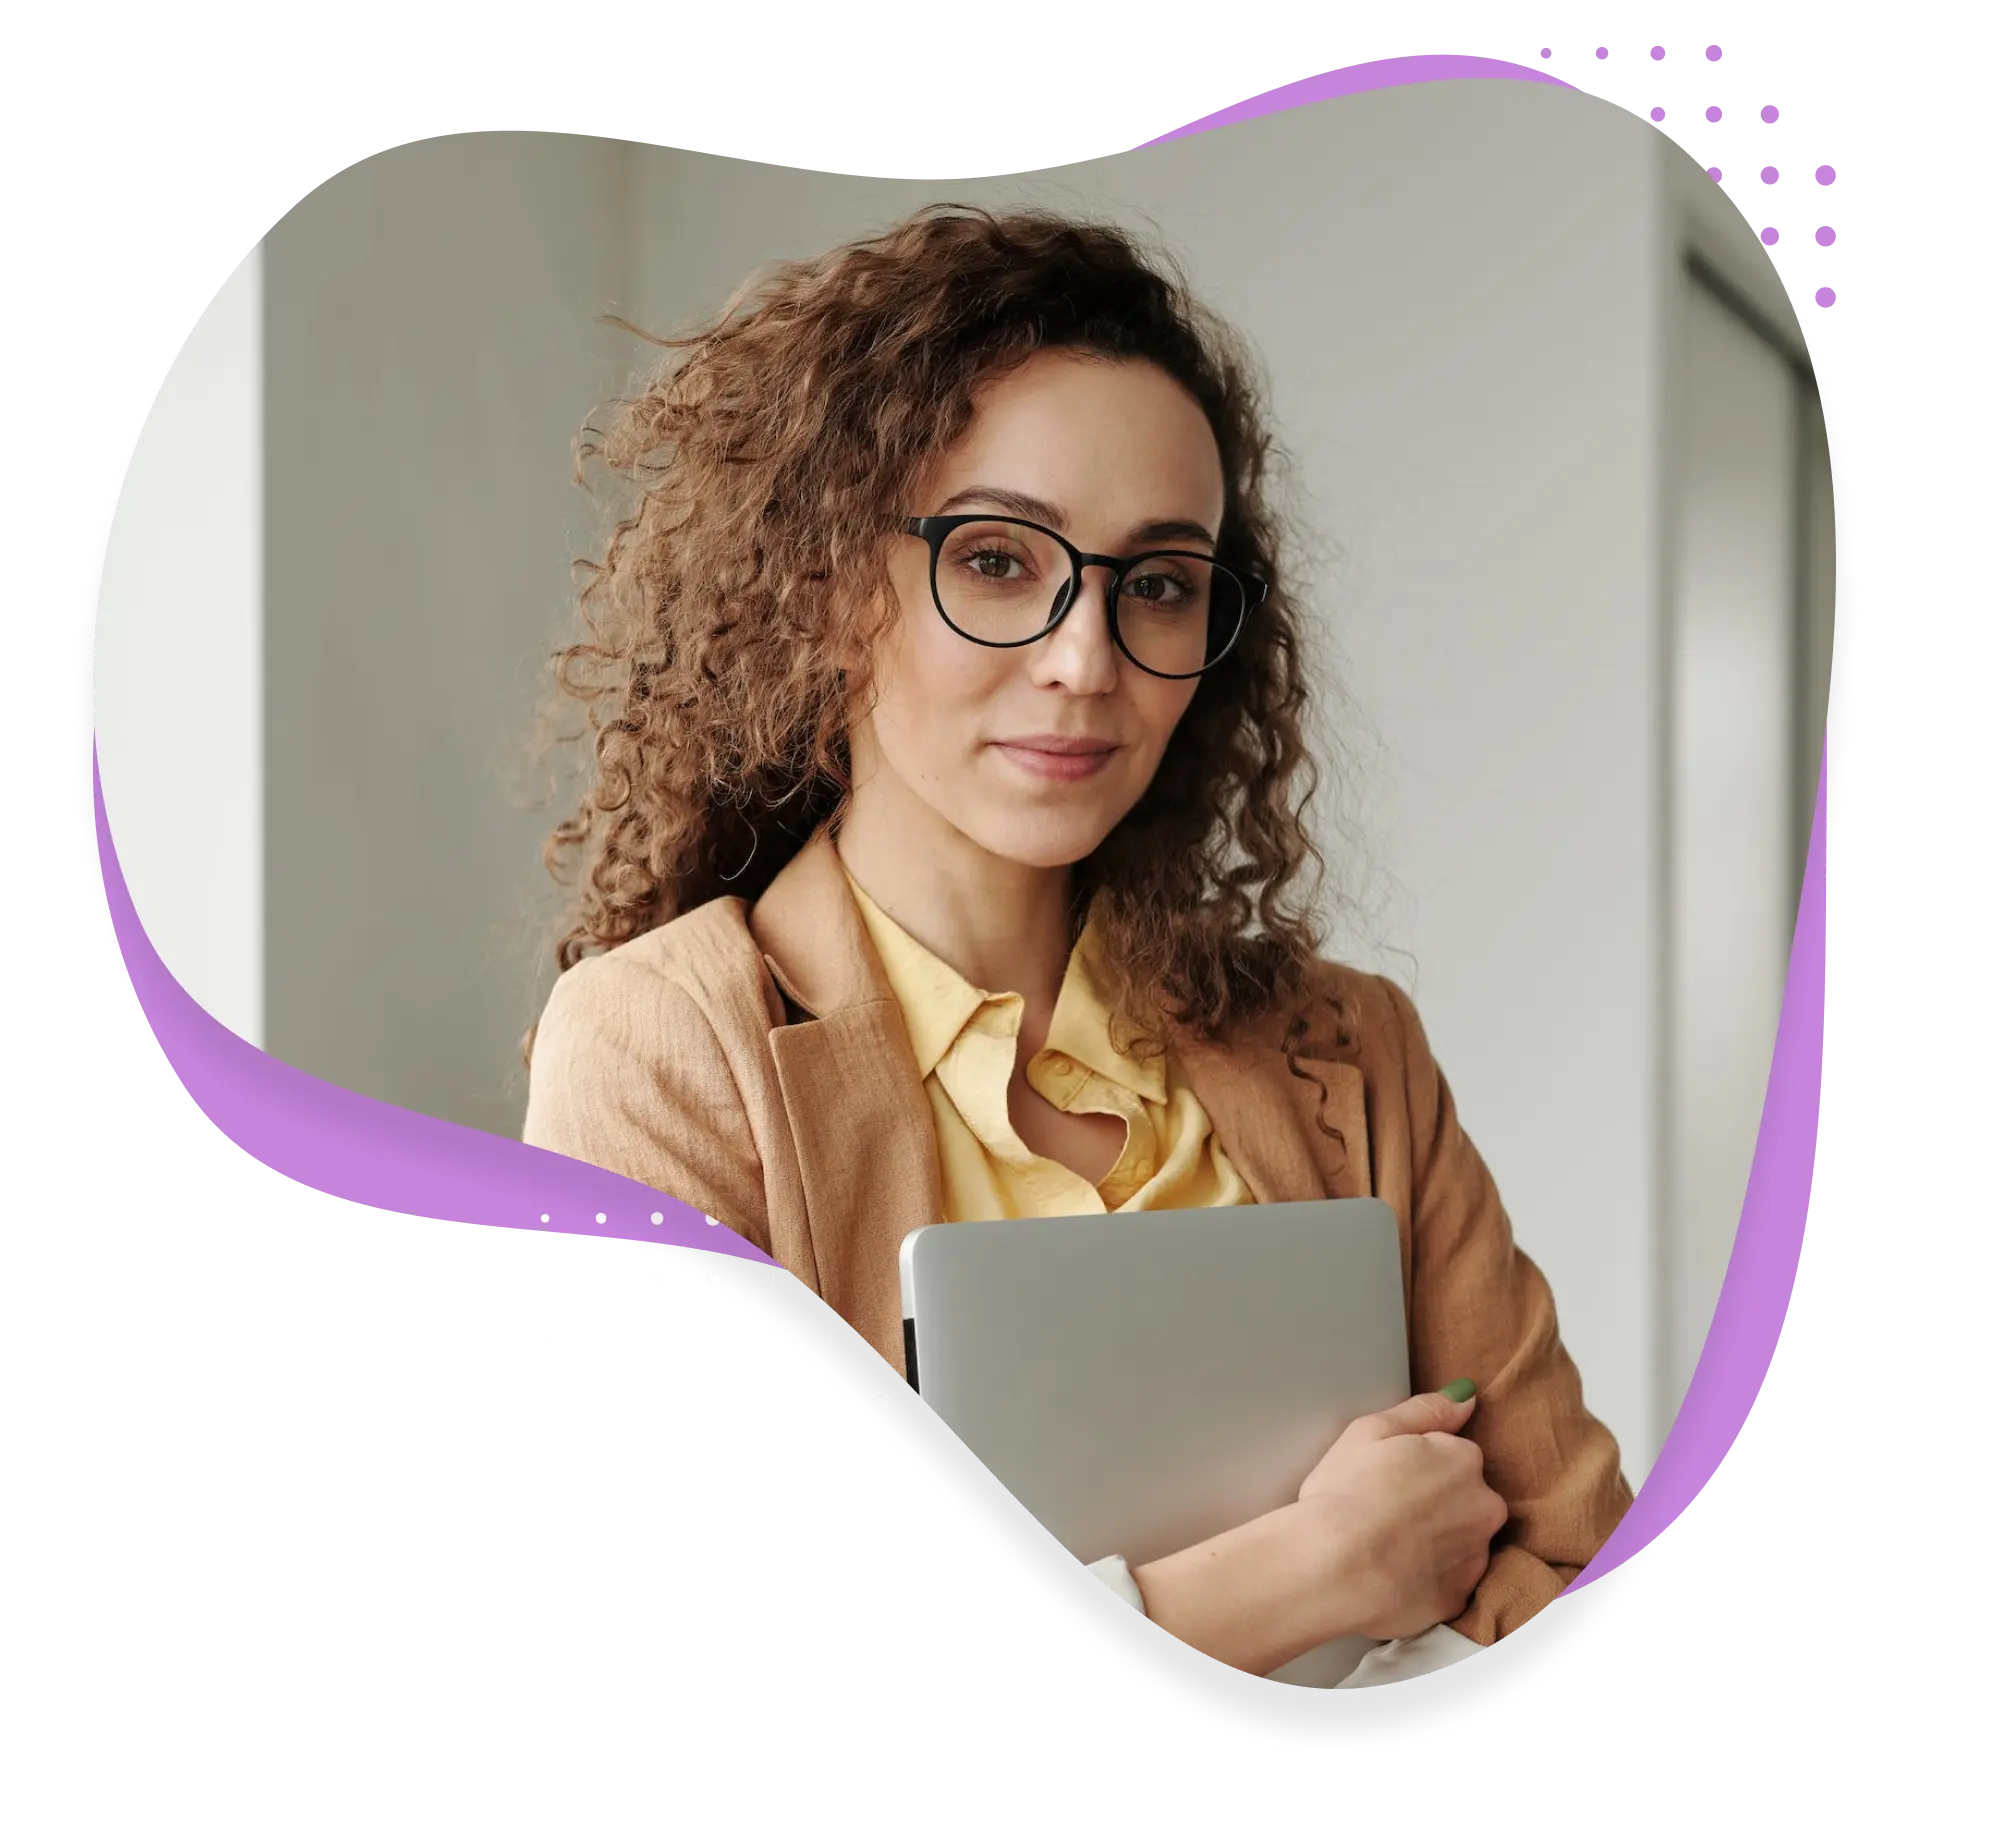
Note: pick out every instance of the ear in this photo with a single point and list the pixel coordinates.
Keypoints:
(862, 630)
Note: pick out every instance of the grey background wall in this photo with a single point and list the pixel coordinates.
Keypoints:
(429, 351)
(1469, 300)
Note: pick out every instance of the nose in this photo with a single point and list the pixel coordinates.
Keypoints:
(1079, 654)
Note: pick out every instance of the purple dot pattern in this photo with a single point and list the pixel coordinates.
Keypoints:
(1711, 126)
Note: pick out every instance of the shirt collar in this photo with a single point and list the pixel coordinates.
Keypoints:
(1081, 1027)
(935, 1000)
(938, 1004)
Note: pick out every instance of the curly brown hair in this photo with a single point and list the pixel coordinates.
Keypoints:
(764, 466)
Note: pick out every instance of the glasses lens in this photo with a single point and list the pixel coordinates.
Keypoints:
(1179, 613)
(999, 581)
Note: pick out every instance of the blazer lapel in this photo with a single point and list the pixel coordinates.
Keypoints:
(1269, 1119)
(859, 1117)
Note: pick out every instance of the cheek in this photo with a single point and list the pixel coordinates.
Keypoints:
(930, 685)
(1160, 705)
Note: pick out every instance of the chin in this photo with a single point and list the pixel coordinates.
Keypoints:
(1040, 837)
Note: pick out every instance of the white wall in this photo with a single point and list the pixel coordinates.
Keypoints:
(1748, 658)
(1733, 762)
(179, 661)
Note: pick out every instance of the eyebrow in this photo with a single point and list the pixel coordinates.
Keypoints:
(1034, 508)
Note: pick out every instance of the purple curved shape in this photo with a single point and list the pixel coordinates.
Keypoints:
(366, 1150)
(384, 1156)
(1762, 1266)
(1385, 73)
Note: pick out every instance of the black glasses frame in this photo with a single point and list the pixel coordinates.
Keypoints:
(934, 530)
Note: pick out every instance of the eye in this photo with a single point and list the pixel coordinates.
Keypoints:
(1161, 587)
(998, 559)
(996, 564)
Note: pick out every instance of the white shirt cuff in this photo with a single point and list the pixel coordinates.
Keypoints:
(1113, 1571)
(1396, 1659)
(1389, 1663)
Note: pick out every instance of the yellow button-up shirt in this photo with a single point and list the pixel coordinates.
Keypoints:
(964, 1042)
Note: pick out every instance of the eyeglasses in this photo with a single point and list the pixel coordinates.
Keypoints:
(1006, 583)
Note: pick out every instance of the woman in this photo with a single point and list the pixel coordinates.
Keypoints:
(943, 858)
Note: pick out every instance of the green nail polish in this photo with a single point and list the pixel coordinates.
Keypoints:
(1459, 1390)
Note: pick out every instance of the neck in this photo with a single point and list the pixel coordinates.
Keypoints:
(1002, 925)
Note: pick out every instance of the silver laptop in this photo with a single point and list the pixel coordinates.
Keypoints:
(1142, 1381)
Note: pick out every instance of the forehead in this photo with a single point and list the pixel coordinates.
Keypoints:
(1111, 443)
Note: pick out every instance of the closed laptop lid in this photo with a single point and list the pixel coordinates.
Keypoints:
(1142, 1381)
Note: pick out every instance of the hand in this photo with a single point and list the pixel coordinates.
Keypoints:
(1404, 1515)
(1388, 1536)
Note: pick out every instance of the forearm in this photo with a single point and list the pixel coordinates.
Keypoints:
(1253, 1597)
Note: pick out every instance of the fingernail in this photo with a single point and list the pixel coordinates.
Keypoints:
(1458, 1391)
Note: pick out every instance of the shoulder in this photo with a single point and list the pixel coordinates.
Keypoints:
(704, 964)
(649, 1061)
(1370, 1024)
(1363, 1018)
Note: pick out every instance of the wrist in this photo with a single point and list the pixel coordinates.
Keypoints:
(1258, 1595)
(1330, 1582)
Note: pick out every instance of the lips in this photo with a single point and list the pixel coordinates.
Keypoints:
(1050, 745)
(1053, 757)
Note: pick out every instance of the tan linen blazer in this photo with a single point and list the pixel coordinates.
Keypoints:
(752, 1061)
